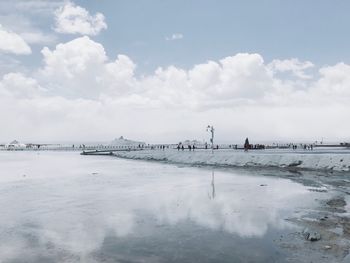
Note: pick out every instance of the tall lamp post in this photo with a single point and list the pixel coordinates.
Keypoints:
(211, 129)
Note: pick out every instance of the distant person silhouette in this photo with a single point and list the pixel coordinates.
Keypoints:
(246, 144)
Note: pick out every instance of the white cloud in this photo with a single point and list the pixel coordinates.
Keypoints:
(333, 86)
(38, 37)
(37, 6)
(292, 65)
(232, 81)
(80, 69)
(9, 63)
(22, 24)
(41, 7)
(73, 19)
(11, 42)
(30, 19)
(241, 95)
(176, 36)
(19, 86)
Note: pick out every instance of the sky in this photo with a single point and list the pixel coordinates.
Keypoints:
(161, 71)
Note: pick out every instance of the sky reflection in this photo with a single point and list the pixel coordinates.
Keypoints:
(66, 205)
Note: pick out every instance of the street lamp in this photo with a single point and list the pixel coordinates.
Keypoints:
(211, 129)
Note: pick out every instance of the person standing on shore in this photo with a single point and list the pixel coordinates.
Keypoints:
(246, 144)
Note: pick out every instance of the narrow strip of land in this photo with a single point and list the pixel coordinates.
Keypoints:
(313, 160)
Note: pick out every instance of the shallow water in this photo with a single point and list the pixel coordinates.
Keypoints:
(63, 207)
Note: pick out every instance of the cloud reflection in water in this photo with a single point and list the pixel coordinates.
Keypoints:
(69, 212)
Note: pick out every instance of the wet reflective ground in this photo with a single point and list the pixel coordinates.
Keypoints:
(63, 207)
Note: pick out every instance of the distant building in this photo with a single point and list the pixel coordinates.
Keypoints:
(121, 141)
(192, 142)
(14, 145)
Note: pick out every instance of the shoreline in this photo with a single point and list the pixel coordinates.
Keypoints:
(316, 161)
(329, 219)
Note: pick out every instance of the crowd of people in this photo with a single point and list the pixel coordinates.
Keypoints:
(246, 146)
(182, 147)
(303, 146)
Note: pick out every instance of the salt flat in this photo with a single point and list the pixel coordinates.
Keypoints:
(64, 207)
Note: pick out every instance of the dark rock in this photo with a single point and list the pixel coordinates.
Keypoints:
(295, 164)
(311, 235)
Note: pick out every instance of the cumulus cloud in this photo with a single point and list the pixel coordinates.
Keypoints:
(80, 69)
(232, 81)
(296, 67)
(24, 27)
(79, 88)
(74, 19)
(20, 86)
(175, 36)
(23, 16)
(13, 43)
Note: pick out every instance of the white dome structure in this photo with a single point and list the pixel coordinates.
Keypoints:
(121, 141)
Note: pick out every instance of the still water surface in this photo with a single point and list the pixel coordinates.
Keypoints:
(63, 207)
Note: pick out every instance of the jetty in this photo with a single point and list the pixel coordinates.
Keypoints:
(108, 151)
